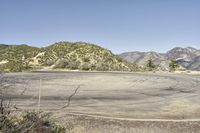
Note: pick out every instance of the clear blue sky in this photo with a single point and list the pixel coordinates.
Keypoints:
(119, 25)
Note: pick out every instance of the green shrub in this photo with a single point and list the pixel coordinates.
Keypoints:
(150, 65)
(86, 59)
(173, 65)
(85, 66)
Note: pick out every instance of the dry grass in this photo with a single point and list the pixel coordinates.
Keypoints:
(92, 124)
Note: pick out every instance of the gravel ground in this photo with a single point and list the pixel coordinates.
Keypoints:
(146, 96)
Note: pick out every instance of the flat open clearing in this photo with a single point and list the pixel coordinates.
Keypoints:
(111, 94)
(131, 95)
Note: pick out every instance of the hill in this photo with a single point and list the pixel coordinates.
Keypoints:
(186, 58)
(17, 57)
(195, 64)
(3, 46)
(63, 55)
(141, 58)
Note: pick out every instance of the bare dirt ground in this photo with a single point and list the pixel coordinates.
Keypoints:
(114, 102)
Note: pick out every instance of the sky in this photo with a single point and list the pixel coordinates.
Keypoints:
(118, 25)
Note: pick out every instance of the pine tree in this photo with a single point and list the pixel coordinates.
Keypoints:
(173, 65)
(150, 65)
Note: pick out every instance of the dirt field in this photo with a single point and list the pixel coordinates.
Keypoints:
(125, 97)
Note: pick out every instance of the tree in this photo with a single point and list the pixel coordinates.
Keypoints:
(150, 65)
(173, 65)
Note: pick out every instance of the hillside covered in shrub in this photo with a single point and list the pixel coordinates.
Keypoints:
(62, 55)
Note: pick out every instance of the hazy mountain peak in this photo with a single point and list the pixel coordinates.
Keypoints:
(186, 49)
(184, 56)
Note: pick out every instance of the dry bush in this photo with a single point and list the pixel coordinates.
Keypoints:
(14, 121)
(28, 122)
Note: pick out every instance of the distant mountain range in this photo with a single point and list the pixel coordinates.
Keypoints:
(86, 56)
(62, 55)
(188, 58)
